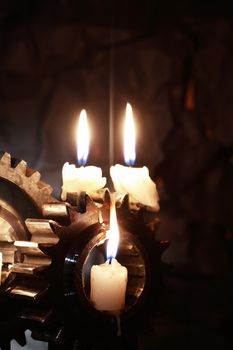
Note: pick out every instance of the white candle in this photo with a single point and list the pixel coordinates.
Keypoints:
(134, 181)
(0, 267)
(88, 179)
(137, 183)
(108, 286)
(109, 280)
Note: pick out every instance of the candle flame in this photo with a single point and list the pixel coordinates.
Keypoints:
(113, 234)
(129, 137)
(83, 138)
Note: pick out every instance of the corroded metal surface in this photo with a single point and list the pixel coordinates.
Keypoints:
(26, 179)
(42, 254)
(21, 244)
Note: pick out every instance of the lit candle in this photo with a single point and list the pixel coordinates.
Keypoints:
(134, 181)
(88, 179)
(109, 280)
(0, 268)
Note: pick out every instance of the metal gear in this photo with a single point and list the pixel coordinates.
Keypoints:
(22, 195)
(48, 247)
(25, 179)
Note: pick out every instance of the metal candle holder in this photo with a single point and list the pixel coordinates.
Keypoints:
(48, 251)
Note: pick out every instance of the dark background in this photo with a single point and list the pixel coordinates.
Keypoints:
(173, 61)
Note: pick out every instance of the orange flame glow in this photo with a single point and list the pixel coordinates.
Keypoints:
(113, 234)
(129, 137)
(83, 138)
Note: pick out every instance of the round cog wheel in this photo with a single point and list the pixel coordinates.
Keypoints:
(48, 247)
(22, 195)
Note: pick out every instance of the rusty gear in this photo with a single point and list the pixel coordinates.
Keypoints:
(48, 247)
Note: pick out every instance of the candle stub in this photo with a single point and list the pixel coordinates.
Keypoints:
(137, 183)
(75, 180)
(108, 286)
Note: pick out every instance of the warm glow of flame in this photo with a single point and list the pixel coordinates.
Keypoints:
(113, 234)
(129, 137)
(83, 138)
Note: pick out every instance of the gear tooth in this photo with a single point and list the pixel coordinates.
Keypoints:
(125, 202)
(35, 177)
(25, 178)
(46, 190)
(21, 167)
(32, 288)
(6, 159)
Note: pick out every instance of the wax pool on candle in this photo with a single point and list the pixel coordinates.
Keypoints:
(137, 183)
(88, 179)
(108, 286)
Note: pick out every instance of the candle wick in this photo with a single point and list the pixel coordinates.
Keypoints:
(110, 260)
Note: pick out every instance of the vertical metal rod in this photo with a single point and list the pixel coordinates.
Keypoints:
(111, 114)
(111, 92)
